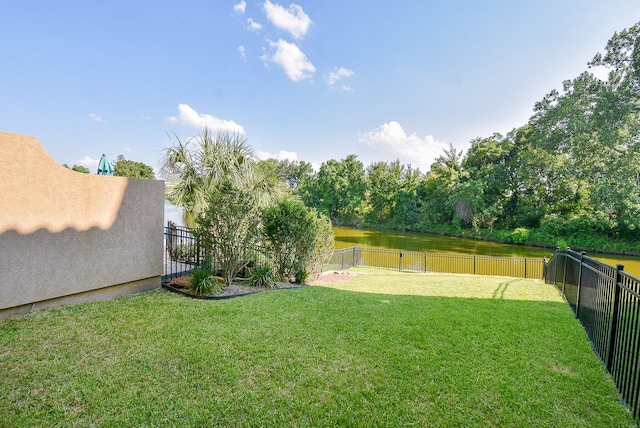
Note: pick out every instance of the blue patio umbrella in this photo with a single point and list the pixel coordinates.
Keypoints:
(104, 167)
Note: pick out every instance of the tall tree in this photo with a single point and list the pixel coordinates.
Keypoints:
(383, 184)
(132, 169)
(592, 132)
(408, 206)
(439, 189)
(337, 189)
(617, 118)
(294, 172)
(197, 168)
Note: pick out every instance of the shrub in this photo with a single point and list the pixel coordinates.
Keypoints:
(203, 282)
(520, 235)
(301, 276)
(262, 276)
(299, 238)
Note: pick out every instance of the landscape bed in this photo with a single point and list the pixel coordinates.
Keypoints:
(314, 356)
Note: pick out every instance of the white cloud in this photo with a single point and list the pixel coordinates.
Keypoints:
(88, 162)
(253, 25)
(291, 59)
(281, 155)
(391, 140)
(240, 8)
(188, 116)
(96, 118)
(293, 19)
(243, 53)
(336, 76)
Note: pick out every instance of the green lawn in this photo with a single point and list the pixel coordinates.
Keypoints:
(315, 356)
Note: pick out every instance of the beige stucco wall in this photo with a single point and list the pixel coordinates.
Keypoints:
(63, 233)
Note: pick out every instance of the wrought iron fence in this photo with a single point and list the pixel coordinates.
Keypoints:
(416, 261)
(183, 253)
(606, 300)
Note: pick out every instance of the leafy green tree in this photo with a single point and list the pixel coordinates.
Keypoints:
(438, 190)
(299, 238)
(488, 163)
(616, 118)
(337, 189)
(468, 202)
(132, 169)
(596, 161)
(384, 182)
(227, 228)
(406, 210)
(78, 168)
(533, 171)
(294, 172)
(291, 173)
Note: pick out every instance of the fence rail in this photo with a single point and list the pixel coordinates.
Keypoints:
(416, 261)
(182, 252)
(606, 300)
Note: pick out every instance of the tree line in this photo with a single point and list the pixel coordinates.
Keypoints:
(571, 175)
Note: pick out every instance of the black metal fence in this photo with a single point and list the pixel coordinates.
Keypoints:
(416, 261)
(182, 252)
(606, 300)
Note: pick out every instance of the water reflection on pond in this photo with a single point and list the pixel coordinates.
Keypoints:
(412, 241)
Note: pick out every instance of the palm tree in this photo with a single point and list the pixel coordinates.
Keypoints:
(196, 169)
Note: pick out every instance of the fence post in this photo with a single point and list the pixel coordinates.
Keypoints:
(544, 269)
(582, 253)
(425, 262)
(525, 268)
(400, 267)
(614, 318)
(474, 264)
(198, 259)
(555, 277)
(564, 274)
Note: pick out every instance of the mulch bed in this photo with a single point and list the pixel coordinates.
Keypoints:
(230, 291)
(238, 290)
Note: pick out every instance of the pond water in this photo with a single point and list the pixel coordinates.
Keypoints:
(411, 241)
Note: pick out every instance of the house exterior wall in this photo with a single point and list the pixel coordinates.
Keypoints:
(68, 237)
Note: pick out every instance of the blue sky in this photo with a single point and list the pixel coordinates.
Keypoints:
(309, 80)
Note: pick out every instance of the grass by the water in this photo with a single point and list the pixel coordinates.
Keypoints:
(314, 356)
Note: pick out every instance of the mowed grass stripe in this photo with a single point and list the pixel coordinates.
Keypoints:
(307, 357)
